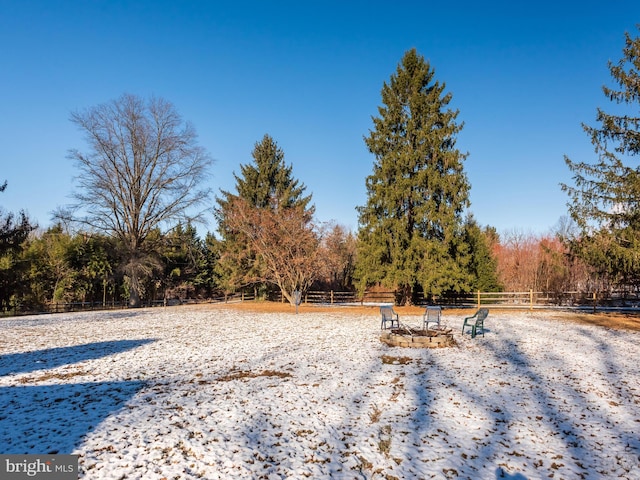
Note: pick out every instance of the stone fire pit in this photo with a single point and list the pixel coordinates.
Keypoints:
(432, 338)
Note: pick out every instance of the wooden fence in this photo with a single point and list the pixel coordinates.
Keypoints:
(516, 300)
(628, 301)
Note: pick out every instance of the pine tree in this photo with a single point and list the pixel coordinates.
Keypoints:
(605, 200)
(411, 229)
(483, 265)
(13, 234)
(267, 183)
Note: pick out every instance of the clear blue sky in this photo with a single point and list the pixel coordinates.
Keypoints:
(523, 75)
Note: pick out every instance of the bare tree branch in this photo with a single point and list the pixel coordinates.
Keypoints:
(284, 240)
(142, 170)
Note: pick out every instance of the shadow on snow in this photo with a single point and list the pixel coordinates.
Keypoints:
(55, 418)
(26, 362)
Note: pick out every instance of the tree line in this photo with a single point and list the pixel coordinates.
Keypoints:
(58, 266)
(141, 188)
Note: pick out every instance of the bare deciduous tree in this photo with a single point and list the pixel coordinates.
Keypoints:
(143, 170)
(284, 241)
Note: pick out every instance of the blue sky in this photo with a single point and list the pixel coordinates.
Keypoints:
(309, 73)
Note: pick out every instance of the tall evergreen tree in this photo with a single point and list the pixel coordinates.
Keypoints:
(267, 183)
(605, 200)
(411, 229)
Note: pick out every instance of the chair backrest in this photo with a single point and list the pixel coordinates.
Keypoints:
(482, 313)
(387, 312)
(433, 314)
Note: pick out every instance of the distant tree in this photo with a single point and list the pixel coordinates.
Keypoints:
(65, 267)
(13, 234)
(185, 262)
(483, 264)
(13, 231)
(143, 170)
(411, 229)
(518, 257)
(52, 275)
(555, 266)
(581, 277)
(267, 185)
(605, 197)
(93, 257)
(337, 256)
(208, 278)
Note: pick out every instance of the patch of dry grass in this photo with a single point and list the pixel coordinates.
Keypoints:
(53, 376)
(375, 414)
(239, 374)
(619, 321)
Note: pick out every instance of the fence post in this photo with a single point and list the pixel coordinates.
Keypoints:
(331, 297)
(595, 302)
(531, 299)
(478, 298)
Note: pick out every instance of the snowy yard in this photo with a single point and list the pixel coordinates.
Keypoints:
(212, 392)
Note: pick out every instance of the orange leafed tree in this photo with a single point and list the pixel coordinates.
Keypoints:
(518, 257)
(539, 263)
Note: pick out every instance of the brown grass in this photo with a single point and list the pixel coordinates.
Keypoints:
(618, 321)
(279, 307)
(53, 376)
(622, 321)
(239, 374)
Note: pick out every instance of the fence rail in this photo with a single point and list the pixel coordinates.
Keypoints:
(517, 300)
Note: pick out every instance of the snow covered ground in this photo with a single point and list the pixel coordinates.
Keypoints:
(212, 392)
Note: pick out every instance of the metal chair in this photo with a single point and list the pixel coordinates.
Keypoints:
(389, 316)
(431, 315)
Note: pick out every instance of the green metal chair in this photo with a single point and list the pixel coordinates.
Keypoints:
(476, 321)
